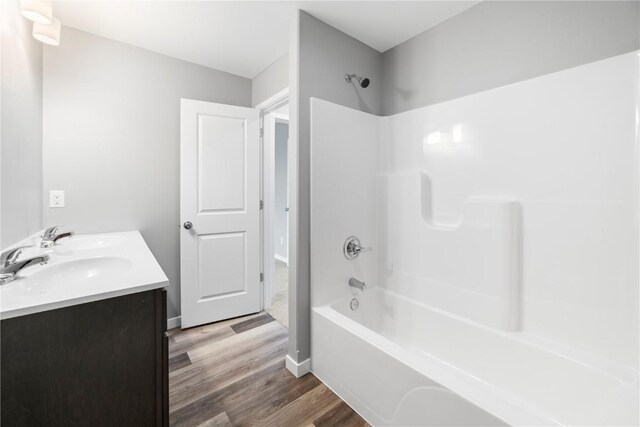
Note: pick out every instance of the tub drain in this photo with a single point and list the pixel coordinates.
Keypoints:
(354, 304)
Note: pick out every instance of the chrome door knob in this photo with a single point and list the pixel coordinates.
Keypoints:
(187, 225)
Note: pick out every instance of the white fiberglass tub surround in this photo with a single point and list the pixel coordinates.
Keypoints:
(503, 285)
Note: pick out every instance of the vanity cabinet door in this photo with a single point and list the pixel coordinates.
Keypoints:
(162, 361)
(93, 364)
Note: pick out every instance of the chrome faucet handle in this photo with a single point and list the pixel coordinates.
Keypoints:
(360, 249)
(50, 232)
(51, 236)
(352, 248)
(11, 256)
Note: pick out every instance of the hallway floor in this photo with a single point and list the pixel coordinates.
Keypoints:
(279, 309)
(232, 373)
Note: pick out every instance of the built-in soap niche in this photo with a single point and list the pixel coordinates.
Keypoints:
(469, 268)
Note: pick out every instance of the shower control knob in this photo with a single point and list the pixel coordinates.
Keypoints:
(187, 225)
(352, 248)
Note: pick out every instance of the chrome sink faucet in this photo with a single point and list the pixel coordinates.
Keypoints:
(51, 236)
(9, 270)
(355, 283)
(11, 256)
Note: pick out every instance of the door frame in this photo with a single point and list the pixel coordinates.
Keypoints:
(267, 166)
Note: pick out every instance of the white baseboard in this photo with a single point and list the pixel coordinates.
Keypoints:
(298, 369)
(281, 258)
(174, 322)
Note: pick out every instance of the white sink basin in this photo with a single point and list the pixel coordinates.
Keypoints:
(68, 246)
(85, 271)
(81, 269)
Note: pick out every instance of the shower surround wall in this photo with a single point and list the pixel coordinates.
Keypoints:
(490, 45)
(504, 228)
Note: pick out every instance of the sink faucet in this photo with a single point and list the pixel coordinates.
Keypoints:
(11, 256)
(355, 283)
(50, 236)
(9, 271)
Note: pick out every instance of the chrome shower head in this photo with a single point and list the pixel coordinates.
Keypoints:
(364, 81)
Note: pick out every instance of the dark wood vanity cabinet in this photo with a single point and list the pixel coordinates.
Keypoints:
(103, 363)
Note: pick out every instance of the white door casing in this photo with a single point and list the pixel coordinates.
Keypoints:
(220, 197)
(269, 123)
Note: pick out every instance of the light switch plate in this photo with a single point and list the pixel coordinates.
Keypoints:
(56, 199)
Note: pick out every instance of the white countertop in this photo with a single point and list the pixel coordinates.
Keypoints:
(81, 269)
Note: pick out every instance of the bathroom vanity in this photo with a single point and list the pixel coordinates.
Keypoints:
(83, 337)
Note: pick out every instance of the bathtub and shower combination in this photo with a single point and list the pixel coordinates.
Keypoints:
(502, 288)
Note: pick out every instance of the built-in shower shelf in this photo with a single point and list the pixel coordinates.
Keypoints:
(470, 268)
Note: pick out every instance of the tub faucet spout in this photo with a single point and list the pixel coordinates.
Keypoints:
(355, 283)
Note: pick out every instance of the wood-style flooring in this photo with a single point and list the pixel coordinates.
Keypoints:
(232, 373)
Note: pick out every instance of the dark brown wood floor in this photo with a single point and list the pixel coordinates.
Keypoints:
(232, 373)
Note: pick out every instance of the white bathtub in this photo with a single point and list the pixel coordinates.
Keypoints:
(398, 362)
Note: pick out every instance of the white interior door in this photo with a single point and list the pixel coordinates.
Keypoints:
(219, 211)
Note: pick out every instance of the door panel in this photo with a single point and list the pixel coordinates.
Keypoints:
(221, 156)
(219, 196)
(222, 264)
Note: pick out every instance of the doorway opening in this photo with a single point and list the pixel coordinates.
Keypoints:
(279, 309)
(276, 211)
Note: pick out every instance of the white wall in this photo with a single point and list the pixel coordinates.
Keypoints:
(111, 138)
(280, 231)
(500, 42)
(320, 57)
(270, 81)
(21, 127)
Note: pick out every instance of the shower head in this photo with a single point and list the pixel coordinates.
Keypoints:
(364, 81)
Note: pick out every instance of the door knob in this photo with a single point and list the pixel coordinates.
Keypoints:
(286, 209)
(188, 225)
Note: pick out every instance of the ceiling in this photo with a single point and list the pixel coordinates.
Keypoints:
(244, 37)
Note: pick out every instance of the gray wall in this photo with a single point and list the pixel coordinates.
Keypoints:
(322, 55)
(270, 81)
(280, 233)
(21, 127)
(501, 42)
(112, 134)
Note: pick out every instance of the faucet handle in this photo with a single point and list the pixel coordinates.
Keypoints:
(50, 232)
(352, 248)
(51, 236)
(360, 249)
(11, 256)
